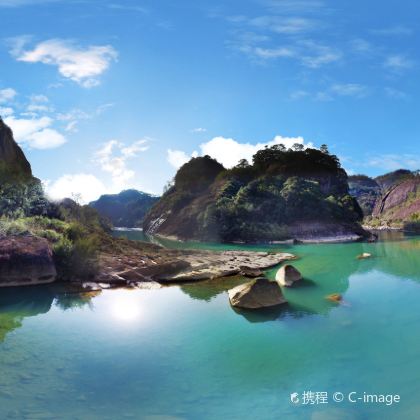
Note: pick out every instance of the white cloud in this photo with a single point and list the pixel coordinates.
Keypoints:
(314, 55)
(229, 152)
(398, 62)
(349, 89)
(112, 158)
(283, 25)
(354, 90)
(82, 65)
(395, 93)
(84, 186)
(177, 158)
(7, 94)
(36, 133)
(392, 162)
(6, 112)
(267, 53)
(47, 138)
(199, 130)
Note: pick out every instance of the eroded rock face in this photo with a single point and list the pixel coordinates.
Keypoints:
(13, 163)
(25, 260)
(258, 293)
(288, 275)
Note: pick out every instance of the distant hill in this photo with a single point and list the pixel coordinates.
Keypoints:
(283, 194)
(126, 209)
(366, 190)
(389, 200)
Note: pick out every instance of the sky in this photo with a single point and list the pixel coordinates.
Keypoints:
(109, 95)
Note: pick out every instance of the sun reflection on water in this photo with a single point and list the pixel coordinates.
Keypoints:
(126, 307)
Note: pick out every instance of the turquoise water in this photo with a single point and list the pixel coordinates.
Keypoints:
(184, 353)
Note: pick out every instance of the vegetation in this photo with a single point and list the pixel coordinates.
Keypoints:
(73, 231)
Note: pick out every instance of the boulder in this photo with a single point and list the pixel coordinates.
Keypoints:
(287, 275)
(258, 293)
(25, 260)
(364, 256)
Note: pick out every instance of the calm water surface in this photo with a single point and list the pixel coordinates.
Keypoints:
(184, 353)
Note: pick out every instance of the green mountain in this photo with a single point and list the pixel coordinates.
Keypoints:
(283, 194)
(127, 208)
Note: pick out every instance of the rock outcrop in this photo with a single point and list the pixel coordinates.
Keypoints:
(25, 260)
(13, 163)
(400, 202)
(179, 266)
(258, 293)
(288, 275)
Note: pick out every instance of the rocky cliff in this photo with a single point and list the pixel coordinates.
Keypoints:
(13, 163)
(284, 194)
(400, 202)
(126, 209)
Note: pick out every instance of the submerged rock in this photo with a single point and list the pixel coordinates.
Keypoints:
(25, 260)
(364, 256)
(334, 297)
(258, 293)
(287, 275)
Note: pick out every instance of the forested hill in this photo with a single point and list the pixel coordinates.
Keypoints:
(284, 193)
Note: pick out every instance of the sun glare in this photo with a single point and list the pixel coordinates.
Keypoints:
(126, 308)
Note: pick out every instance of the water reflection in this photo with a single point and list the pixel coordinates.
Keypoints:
(273, 313)
(18, 303)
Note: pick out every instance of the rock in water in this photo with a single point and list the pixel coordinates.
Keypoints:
(334, 297)
(364, 256)
(25, 260)
(258, 293)
(287, 275)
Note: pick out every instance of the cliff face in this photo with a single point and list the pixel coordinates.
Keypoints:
(284, 194)
(400, 202)
(13, 163)
(126, 209)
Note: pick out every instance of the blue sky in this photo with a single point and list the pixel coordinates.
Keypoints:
(106, 95)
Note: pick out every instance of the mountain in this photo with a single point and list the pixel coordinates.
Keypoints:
(389, 200)
(283, 194)
(127, 208)
(13, 164)
(366, 190)
(399, 203)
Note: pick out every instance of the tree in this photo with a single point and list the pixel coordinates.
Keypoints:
(324, 149)
(298, 147)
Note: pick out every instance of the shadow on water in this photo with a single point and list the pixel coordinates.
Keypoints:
(18, 303)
